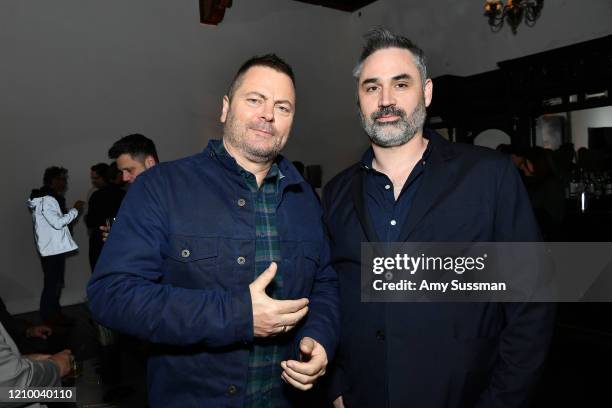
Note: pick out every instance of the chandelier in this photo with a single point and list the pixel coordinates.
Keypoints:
(513, 12)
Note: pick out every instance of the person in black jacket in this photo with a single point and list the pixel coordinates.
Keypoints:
(412, 185)
(103, 206)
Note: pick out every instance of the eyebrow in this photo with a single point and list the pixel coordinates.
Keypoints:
(395, 78)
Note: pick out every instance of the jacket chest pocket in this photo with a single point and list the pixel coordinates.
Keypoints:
(300, 263)
(193, 262)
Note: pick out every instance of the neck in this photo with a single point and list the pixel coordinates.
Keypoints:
(399, 161)
(259, 170)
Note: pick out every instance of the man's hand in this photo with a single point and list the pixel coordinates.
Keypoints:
(303, 374)
(42, 331)
(271, 316)
(38, 356)
(79, 205)
(105, 231)
(64, 361)
(339, 402)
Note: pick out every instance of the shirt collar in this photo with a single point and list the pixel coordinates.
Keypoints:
(368, 156)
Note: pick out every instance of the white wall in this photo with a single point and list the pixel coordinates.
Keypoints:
(75, 75)
(582, 120)
(457, 39)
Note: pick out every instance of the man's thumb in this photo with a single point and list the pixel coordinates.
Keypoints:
(307, 345)
(266, 277)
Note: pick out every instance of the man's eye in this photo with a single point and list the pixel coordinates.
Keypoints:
(254, 101)
(402, 85)
(371, 88)
(284, 109)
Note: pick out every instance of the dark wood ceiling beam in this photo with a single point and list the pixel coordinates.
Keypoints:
(343, 5)
(213, 11)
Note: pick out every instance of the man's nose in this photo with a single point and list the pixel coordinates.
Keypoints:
(268, 112)
(386, 98)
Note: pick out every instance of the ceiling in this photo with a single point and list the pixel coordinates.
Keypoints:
(344, 5)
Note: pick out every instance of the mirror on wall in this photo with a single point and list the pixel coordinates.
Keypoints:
(492, 138)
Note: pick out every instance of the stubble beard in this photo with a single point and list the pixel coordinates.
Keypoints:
(235, 133)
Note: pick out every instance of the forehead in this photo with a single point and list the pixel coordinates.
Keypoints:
(126, 161)
(268, 82)
(389, 62)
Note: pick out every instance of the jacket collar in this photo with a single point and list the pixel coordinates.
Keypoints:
(288, 175)
(436, 179)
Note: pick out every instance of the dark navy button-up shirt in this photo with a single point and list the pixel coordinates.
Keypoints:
(387, 214)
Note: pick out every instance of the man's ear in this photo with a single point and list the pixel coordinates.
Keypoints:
(149, 162)
(428, 91)
(225, 109)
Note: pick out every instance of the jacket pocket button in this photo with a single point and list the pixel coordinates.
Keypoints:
(185, 253)
(241, 260)
(232, 389)
(241, 202)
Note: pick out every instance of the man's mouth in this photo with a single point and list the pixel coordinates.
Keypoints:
(264, 131)
(387, 118)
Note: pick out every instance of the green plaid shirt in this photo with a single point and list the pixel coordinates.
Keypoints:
(264, 382)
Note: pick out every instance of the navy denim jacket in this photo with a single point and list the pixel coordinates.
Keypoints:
(176, 271)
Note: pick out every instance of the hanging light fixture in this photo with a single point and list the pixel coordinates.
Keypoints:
(512, 12)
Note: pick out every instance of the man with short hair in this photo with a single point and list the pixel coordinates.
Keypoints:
(134, 154)
(99, 175)
(102, 206)
(414, 186)
(221, 260)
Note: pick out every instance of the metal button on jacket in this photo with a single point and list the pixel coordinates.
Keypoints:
(241, 260)
(185, 253)
(241, 202)
(232, 389)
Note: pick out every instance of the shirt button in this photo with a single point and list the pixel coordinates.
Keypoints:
(241, 202)
(393, 222)
(241, 260)
(424, 162)
(232, 389)
(185, 253)
(380, 335)
(387, 187)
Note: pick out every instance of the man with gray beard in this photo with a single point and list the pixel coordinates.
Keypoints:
(413, 185)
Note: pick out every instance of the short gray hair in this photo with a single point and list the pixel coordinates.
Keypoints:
(380, 38)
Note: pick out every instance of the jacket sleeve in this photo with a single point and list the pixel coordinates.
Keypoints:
(17, 371)
(525, 340)
(335, 383)
(126, 292)
(94, 217)
(53, 214)
(323, 320)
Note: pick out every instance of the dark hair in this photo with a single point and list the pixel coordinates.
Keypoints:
(113, 172)
(52, 173)
(136, 145)
(101, 169)
(380, 38)
(268, 60)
